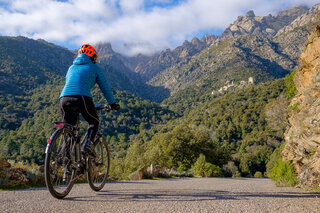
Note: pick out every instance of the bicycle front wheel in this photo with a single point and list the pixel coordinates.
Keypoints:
(98, 166)
(60, 157)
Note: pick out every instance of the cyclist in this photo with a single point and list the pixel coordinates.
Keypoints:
(76, 97)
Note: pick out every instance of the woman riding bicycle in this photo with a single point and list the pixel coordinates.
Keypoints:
(76, 97)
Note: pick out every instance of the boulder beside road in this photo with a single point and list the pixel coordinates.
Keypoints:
(4, 164)
(13, 177)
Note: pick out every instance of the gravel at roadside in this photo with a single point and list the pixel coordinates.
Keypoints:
(168, 195)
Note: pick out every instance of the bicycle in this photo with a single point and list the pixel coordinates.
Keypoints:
(64, 163)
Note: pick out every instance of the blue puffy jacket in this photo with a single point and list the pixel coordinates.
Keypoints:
(82, 76)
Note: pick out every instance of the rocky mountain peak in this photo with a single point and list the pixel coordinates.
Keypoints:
(104, 49)
(250, 14)
(293, 11)
(195, 41)
(208, 39)
(185, 43)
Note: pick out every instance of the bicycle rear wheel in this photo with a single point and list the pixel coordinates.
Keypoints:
(98, 166)
(60, 158)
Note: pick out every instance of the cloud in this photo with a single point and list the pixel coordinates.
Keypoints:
(132, 26)
(129, 6)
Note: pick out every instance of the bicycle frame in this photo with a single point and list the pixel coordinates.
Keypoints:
(77, 146)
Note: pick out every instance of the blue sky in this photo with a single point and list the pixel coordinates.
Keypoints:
(132, 26)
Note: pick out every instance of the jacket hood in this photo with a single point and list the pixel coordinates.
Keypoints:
(82, 59)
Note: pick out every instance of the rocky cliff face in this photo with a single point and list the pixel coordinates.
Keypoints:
(303, 135)
(291, 38)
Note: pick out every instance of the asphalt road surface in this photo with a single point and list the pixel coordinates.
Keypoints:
(168, 195)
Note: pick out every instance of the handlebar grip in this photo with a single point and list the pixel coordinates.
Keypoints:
(108, 108)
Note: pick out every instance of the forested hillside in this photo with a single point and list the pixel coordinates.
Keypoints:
(243, 127)
(26, 64)
(28, 141)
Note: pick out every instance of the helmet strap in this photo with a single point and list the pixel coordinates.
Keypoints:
(93, 59)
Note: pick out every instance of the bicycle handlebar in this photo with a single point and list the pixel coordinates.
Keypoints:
(99, 106)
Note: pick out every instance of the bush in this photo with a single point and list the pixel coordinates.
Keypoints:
(199, 166)
(230, 169)
(204, 169)
(258, 175)
(34, 175)
(291, 88)
(283, 173)
(212, 170)
(236, 175)
(274, 157)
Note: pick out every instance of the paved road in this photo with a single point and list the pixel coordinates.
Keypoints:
(168, 195)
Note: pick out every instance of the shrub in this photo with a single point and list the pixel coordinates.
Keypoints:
(283, 173)
(236, 175)
(274, 157)
(4, 176)
(34, 175)
(230, 169)
(199, 166)
(205, 169)
(212, 170)
(291, 88)
(258, 175)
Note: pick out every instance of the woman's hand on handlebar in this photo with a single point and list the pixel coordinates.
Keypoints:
(115, 106)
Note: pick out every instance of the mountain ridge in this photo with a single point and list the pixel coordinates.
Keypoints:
(279, 50)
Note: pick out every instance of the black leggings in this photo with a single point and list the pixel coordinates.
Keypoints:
(71, 106)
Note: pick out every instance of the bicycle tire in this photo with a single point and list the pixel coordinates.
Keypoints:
(56, 161)
(98, 167)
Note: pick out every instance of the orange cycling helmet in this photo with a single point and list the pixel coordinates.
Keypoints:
(88, 50)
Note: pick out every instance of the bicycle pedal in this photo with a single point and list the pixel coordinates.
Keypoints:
(92, 156)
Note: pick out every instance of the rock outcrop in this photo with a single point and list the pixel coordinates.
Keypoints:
(13, 177)
(4, 164)
(303, 134)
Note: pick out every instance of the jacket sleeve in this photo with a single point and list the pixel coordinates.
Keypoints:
(104, 86)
